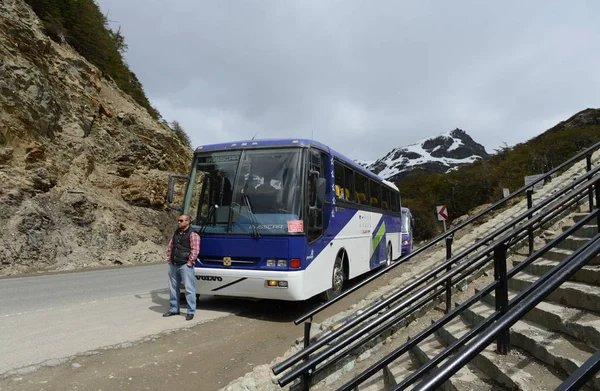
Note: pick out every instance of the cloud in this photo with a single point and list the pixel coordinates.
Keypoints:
(363, 77)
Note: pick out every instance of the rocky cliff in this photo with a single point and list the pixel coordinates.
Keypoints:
(438, 154)
(83, 168)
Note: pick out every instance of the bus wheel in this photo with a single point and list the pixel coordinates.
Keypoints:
(388, 258)
(337, 281)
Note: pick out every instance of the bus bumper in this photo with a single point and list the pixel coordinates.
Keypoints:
(250, 284)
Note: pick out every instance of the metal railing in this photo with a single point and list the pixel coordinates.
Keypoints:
(520, 306)
(389, 312)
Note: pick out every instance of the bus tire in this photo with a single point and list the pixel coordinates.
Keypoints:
(337, 280)
(389, 254)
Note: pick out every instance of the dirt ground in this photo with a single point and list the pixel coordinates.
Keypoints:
(205, 357)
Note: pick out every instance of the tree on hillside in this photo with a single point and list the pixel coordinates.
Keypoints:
(85, 28)
(181, 134)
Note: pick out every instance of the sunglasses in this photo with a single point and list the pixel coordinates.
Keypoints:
(181, 221)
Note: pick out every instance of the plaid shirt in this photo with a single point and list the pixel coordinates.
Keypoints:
(194, 248)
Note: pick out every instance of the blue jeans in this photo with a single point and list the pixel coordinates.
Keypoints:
(177, 274)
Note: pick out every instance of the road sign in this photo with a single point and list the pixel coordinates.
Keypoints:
(442, 213)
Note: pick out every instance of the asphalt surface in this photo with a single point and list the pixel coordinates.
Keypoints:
(48, 318)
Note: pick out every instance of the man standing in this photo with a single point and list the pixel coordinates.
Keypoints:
(182, 252)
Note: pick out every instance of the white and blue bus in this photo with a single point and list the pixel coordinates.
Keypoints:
(287, 219)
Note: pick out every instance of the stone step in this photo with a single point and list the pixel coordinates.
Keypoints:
(583, 325)
(399, 370)
(391, 375)
(570, 243)
(515, 370)
(588, 274)
(573, 294)
(467, 378)
(587, 231)
(555, 349)
(559, 254)
(374, 383)
(578, 216)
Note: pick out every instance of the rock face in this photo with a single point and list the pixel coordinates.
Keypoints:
(83, 168)
(439, 154)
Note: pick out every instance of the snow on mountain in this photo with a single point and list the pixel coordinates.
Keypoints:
(440, 154)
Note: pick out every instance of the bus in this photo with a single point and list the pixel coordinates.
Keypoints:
(408, 225)
(286, 219)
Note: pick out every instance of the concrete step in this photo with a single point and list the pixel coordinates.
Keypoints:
(588, 274)
(583, 325)
(391, 375)
(399, 370)
(374, 383)
(573, 294)
(559, 254)
(516, 370)
(555, 349)
(587, 231)
(467, 378)
(571, 243)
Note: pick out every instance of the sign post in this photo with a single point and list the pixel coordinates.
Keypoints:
(442, 214)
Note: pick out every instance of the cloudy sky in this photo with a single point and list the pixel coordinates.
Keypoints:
(363, 76)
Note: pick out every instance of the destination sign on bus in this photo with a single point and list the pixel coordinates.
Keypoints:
(219, 159)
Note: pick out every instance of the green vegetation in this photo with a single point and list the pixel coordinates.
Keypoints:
(84, 27)
(181, 134)
(483, 181)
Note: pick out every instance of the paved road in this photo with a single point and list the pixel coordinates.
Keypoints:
(47, 318)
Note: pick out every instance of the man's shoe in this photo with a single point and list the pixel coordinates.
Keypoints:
(189, 317)
(170, 314)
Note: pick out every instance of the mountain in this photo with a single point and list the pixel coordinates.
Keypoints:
(440, 154)
(83, 167)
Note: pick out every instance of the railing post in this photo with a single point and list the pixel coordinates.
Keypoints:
(529, 216)
(306, 375)
(588, 161)
(448, 280)
(503, 341)
(597, 188)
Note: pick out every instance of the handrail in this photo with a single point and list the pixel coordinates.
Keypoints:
(582, 374)
(536, 293)
(451, 315)
(442, 236)
(549, 203)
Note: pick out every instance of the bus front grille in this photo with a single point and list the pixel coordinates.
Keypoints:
(233, 261)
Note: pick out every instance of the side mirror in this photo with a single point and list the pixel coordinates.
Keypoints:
(171, 189)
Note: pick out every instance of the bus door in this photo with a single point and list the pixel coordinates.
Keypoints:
(319, 209)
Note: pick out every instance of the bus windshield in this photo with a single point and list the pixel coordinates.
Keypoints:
(250, 191)
(406, 223)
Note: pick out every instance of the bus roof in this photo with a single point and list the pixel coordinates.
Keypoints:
(246, 144)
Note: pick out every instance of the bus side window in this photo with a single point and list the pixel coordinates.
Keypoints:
(385, 198)
(338, 172)
(375, 193)
(362, 189)
(349, 184)
(395, 203)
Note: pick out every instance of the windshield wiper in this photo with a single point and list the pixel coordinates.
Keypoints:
(253, 221)
(209, 215)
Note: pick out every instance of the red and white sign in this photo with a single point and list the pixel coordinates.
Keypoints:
(295, 226)
(442, 213)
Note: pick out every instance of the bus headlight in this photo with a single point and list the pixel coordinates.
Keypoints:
(282, 262)
(271, 262)
(405, 242)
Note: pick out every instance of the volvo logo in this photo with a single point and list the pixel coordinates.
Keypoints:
(209, 278)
